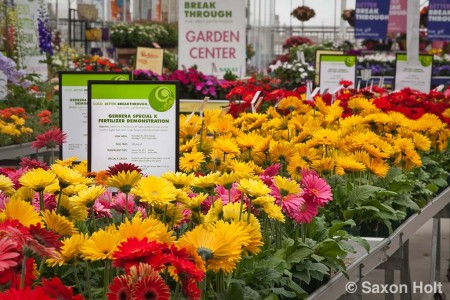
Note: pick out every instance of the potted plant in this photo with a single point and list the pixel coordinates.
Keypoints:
(303, 13)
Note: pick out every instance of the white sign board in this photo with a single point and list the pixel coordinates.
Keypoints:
(416, 76)
(133, 122)
(334, 68)
(211, 35)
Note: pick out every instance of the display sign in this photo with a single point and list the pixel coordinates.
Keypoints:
(371, 18)
(317, 61)
(397, 16)
(334, 68)
(150, 59)
(439, 20)
(133, 122)
(416, 76)
(73, 109)
(212, 36)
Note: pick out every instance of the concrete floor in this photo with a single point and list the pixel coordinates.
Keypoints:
(420, 261)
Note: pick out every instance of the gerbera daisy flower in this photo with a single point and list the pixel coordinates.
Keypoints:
(120, 203)
(227, 145)
(155, 190)
(101, 177)
(71, 210)
(8, 253)
(58, 223)
(205, 182)
(289, 103)
(27, 163)
(69, 251)
(219, 247)
(123, 167)
(304, 213)
(286, 186)
(56, 289)
(149, 227)
(227, 180)
(124, 180)
(68, 162)
(88, 196)
(315, 188)
(151, 287)
(24, 193)
(21, 211)
(253, 188)
(101, 245)
(280, 151)
(120, 288)
(45, 237)
(192, 161)
(67, 176)
(38, 179)
(25, 293)
(50, 139)
(324, 137)
(6, 185)
(132, 251)
(189, 145)
(179, 179)
(324, 165)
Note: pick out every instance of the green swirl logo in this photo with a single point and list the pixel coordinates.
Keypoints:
(426, 61)
(161, 99)
(350, 61)
(119, 77)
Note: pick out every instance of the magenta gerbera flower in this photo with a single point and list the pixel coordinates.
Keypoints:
(8, 254)
(304, 213)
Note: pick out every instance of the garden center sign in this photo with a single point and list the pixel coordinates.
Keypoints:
(212, 36)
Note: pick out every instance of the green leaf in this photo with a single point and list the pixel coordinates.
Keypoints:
(235, 291)
(330, 248)
(338, 225)
(363, 192)
(432, 187)
(299, 255)
(251, 294)
(362, 242)
(283, 292)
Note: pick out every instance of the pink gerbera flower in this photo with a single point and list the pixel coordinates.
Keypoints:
(315, 188)
(8, 254)
(50, 139)
(304, 213)
(119, 203)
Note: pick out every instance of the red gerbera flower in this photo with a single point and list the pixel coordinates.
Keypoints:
(122, 167)
(32, 164)
(191, 290)
(133, 251)
(151, 287)
(45, 237)
(44, 113)
(119, 289)
(13, 275)
(56, 289)
(27, 293)
(346, 83)
(50, 139)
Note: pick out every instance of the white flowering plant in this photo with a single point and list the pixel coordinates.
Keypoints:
(132, 35)
(292, 73)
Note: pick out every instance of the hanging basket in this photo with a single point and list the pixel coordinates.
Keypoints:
(303, 13)
(87, 12)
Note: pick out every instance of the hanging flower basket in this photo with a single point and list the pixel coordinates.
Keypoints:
(349, 16)
(303, 13)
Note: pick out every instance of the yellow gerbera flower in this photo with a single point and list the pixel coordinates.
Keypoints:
(179, 179)
(124, 180)
(38, 179)
(205, 182)
(58, 223)
(6, 185)
(286, 186)
(155, 190)
(24, 193)
(101, 245)
(267, 203)
(70, 250)
(280, 151)
(227, 145)
(290, 103)
(220, 247)
(149, 227)
(191, 162)
(253, 188)
(68, 162)
(227, 180)
(71, 209)
(214, 213)
(67, 176)
(21, 211)
(88, 196)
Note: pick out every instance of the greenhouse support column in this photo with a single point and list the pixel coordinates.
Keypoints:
(342, 21)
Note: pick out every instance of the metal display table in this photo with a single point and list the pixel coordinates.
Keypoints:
(390, 254)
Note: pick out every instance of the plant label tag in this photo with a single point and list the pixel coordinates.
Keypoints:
(316, 90)
(255, 98)
(258, 103)
(203, 105)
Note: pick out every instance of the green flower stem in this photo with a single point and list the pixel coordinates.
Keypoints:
(164, 213)
(220, 288)
(59, 201)
(126, 206)
(23, 272)
(88, 280)
(106, 278)
(77, 280)
(242, 205)
(304, 232)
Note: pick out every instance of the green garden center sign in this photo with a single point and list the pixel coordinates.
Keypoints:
(133, 122)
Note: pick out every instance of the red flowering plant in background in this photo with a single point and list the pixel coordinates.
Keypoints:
(295, 41)
(96, 63)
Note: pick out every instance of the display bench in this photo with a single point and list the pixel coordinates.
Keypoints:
(391, 253)
(10, 155)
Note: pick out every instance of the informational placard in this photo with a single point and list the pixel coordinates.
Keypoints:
(334, 68)
(3, 85)
(317, 61)
(371, 19)
(212, 36)
(73, 109)
(439, 20)
(133, 122)
(397, 16)
(28, 48)
(150, 59)
(416, 76)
